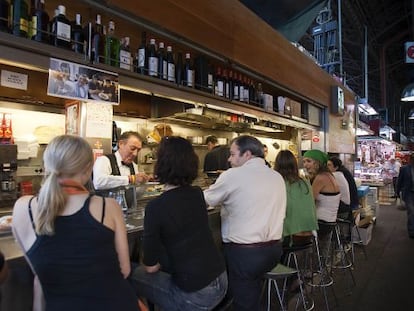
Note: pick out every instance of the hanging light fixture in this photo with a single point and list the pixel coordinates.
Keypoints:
(411, 114)
(408, 93)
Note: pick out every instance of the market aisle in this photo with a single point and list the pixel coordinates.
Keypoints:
(385, 280)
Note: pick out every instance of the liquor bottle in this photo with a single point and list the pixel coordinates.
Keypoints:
(252, 92)
(52, 26)
(179, 69)
(125, 54)
(188, 71)
(142, 64)
(219, 91)
(4, 15)
(231, 85)
(40, 22)
(259, 95)
(170, 65)
(241, 88)
(152, 59)
(246, 89)
(210, 79)
(77, 36)
(236, 86)
(162, 62)
(226, 83)
(62, 33)
(19, 18)
(111, 46)
(97, 41)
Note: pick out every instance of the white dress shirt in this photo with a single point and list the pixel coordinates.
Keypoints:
(253, 200)
(102, 178)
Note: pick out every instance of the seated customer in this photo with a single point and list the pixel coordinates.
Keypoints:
(75, 242)
(324, 187)
(300, 217)
(177, 222)
(353, 189)
(344, 210)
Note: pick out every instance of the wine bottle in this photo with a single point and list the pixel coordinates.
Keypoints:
(97, 44)
(236, 86)
(170, 65)
(162, 62)
(114, 137)
(141, 55)
(241, 87)
(125, 54)
(19, 18)
(52, 27)
(62, 33)
(188, 71)
(77, 36)
(210, 79)
(219, 83)
(226, 83)
(4, 15)
(179, 69)
(40, 22)
(111, 46)
(152, 59)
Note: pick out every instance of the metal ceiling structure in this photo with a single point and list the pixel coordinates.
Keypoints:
(385, 25)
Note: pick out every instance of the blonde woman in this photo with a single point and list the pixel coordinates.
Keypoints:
(75, 243)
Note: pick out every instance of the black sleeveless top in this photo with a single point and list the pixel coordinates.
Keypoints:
(78, 266)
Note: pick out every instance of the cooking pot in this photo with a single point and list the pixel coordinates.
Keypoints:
(8, 185)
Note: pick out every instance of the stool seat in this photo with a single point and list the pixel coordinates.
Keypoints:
(280, 272)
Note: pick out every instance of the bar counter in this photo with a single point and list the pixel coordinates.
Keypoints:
(16, 292)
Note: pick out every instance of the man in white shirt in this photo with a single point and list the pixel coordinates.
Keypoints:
(253, 200)
(119, 169)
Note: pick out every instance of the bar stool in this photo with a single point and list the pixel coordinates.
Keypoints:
(290, 254)
(319, 274)
(279, 273)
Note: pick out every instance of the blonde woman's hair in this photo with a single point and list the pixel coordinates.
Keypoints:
(64, 157)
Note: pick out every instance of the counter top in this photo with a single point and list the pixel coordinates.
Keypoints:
(134, 223)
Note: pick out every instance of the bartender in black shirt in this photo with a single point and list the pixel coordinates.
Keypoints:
(217, 158)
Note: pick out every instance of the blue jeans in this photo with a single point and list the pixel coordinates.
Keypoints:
(408, 198)
(246, 267)
(160, 289)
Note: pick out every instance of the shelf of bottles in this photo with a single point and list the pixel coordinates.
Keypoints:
(153, 55)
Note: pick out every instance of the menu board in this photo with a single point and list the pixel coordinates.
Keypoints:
(98, 120)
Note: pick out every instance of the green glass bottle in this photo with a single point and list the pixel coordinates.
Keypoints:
(19, 18)
(112, 46)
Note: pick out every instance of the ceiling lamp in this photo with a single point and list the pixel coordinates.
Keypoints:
(411, 114)
(408, 93)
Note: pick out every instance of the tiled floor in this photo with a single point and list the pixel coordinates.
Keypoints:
(384, 281)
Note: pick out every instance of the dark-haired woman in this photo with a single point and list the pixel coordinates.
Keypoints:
(177, 221)
(300, 219)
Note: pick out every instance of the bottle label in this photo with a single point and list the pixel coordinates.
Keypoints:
(210, 81)
(171, 72)
(164, 69)
(24, 24)
(63, 31)
(220, 88)
(125, 59)
(241, 93)
(190, 77)
(34, 25)
(227, 90)
(141, 58)
(236, 92)
(153, 66)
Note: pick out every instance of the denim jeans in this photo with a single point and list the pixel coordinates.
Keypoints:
(246, 267)
(408, 198)
(160, 289)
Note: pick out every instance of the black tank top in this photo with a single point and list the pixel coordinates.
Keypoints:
(78, 266)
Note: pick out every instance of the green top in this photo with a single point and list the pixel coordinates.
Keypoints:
(300, 208)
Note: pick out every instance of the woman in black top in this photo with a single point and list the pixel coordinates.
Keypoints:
(177, 223)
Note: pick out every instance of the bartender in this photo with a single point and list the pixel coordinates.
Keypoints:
(217, 158)
(117, 170)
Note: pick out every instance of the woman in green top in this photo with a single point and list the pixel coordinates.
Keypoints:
(300, 217)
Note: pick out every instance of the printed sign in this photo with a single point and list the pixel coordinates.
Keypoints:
(14, 80)
(75, 81)
(409, 52)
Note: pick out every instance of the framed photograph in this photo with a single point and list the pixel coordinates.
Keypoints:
(76, 81)
(72, 120)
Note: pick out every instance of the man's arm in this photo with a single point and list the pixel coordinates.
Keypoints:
(102, 175)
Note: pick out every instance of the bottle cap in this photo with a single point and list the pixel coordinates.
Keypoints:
(127, 41)
(98, 19)
(169, 48)
(111, 26)
(161, 45)
(78, 19)
(152, 41)
(187, 55)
